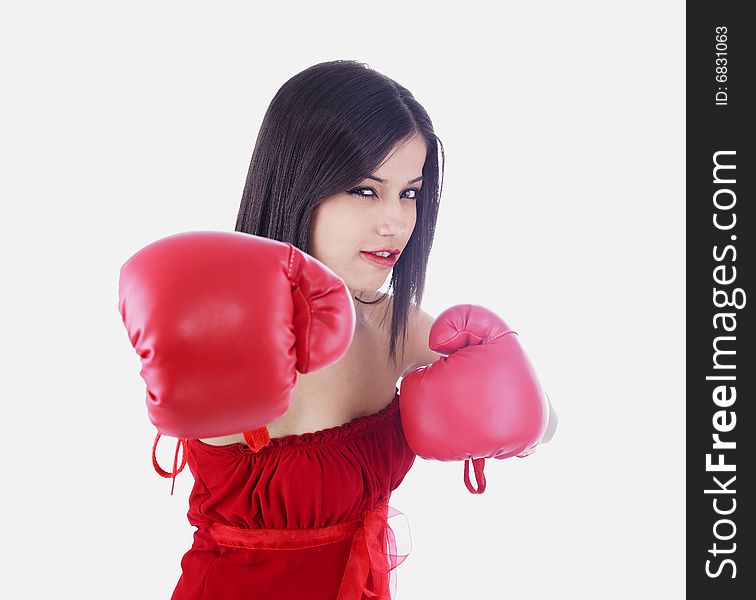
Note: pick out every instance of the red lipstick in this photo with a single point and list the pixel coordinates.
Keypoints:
(382, 261)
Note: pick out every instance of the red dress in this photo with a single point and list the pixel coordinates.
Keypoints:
(305, 517)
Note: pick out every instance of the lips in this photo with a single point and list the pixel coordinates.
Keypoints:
(383, 261)
(390, 250)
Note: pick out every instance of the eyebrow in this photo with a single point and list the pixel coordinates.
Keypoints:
(386, 180)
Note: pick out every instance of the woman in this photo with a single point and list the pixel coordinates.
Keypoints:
(346, 162)
(345, 169)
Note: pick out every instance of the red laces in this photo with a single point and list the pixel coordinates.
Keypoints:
(256, 440)
(478, 466)
(163, 473)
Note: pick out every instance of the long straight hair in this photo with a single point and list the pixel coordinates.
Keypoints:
(325, 129)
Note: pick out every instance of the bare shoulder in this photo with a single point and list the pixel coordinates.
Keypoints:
(416, 351)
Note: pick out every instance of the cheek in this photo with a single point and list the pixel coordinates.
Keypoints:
(319, 235)
(314, 232)
(412, 217)
(331, 224)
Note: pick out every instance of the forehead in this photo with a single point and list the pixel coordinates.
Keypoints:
(405, 159)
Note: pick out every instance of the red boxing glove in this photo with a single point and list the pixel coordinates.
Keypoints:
(482, 400)
(222, 322)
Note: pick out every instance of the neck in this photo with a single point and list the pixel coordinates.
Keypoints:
(363, 311)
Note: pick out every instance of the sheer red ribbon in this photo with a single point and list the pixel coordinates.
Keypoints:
(372, 558)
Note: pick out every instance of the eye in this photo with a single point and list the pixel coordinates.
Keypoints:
(358, 192)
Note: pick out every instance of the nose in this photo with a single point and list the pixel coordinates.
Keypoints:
(394, 220)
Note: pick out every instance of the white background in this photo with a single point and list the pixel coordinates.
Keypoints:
(562, 210)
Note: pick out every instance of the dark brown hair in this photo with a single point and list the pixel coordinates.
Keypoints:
(325, 129)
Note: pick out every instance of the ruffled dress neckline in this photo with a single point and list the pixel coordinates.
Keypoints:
(338, 433)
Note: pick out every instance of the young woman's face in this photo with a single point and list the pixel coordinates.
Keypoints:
(371, 216)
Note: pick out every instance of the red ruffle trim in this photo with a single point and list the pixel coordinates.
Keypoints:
(258, 439)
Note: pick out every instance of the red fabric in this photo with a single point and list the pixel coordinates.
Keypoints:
(306, 517)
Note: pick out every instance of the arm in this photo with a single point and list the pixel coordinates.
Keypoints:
(552, 424)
